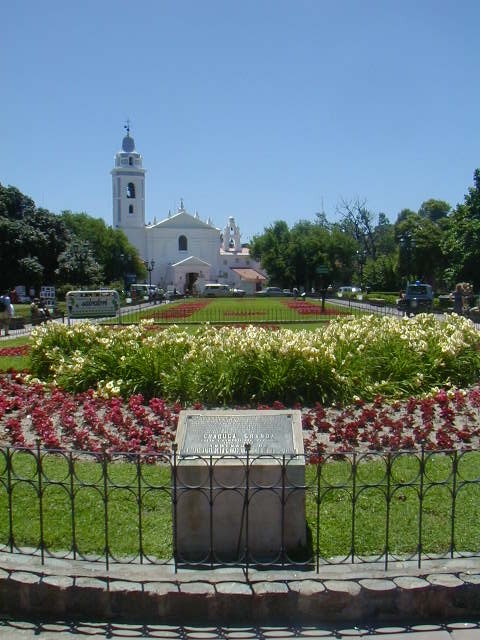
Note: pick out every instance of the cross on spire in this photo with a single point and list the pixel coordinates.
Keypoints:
(127, 127)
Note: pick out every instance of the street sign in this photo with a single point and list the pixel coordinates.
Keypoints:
(322, 268)
(92, 304)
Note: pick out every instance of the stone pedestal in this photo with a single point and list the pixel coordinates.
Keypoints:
(234, 506)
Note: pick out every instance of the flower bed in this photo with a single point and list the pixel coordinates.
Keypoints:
(11, 352)
(183, 310)
(363, 356)
(61, 420)
(306, 308)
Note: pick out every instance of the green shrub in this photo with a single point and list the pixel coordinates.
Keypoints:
(364, 356)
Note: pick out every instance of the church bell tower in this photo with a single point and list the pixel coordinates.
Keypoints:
(128, 185)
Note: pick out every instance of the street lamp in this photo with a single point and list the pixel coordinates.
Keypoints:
(407, 247)
(149, 266)
(361, 259)
(124, 266)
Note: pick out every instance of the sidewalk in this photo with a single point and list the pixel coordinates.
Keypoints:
(63, 630)
(339, 595)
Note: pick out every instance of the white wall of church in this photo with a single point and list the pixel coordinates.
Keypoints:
(183, 247)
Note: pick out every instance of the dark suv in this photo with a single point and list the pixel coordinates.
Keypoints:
(418, 298)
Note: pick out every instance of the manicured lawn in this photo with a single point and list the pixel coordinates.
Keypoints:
(88, 524)
(149, 485)
(13, 354)
(238, 311)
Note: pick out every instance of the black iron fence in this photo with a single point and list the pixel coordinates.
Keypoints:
(243, 511)
(196, 311)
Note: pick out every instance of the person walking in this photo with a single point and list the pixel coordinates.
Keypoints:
(458, 299)
(6, 312)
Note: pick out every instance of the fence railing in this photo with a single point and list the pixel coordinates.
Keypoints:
(195, 311)
(377, 507)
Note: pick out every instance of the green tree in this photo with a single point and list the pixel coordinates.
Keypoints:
(77, 265)
(342, 255)
(32, 239)
(434, 210)
(358, 221)
(13, 204)
(31, 271)
(291, 257)
(308, 248)
(382, 274)
(385, 236)
(271, 248)
(461, 240)
(110, 247)
(420, 254)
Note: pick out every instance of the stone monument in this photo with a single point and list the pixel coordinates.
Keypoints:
(239, 486)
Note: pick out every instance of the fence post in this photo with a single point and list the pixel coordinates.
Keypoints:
(282, 538)
(354, 500)
(11, 541)
(248, 446)
(454, 502)
(174, 505)
(139, 504)
(420, 506)
(389, 497)
(105, 504)
(71, 472)
(319, 471)
(40, 500)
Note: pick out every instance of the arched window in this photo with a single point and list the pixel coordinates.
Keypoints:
(130, 160)
(130, 208)
(182, 243)
(130, 190)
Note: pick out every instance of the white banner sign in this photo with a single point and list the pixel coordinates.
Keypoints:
(92, 304)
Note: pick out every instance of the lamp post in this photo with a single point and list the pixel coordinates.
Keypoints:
(149, 266)
(124, 265)
(361, 259)
(407, 247)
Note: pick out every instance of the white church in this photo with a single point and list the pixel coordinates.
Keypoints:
(185, 252)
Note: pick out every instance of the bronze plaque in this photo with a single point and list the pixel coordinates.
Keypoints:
(227, 434)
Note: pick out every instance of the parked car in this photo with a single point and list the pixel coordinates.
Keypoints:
(217, 290)
(172, 293)
(418, 298)
(348, 291)
(271, 291)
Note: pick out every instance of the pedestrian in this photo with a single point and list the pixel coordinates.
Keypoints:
(458, 299)
(6, 312)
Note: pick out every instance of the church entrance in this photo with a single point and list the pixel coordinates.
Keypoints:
(190, 280)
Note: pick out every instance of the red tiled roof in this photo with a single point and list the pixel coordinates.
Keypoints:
(251, 275)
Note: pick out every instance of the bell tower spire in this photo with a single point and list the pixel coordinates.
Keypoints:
(128, 189)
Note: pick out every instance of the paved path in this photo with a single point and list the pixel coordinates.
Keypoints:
(60, 630)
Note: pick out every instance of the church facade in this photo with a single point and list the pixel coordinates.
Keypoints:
(186, 252)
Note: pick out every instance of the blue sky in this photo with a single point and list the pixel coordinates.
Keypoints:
(260, 109)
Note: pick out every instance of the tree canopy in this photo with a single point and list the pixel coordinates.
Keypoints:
(436, 244)
(40, 247)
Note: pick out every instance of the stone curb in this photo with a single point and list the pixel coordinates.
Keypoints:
(345, 593)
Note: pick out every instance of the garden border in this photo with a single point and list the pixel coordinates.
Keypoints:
(442, 591)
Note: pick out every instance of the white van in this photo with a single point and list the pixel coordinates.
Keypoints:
(348, 292)
(216, 290)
